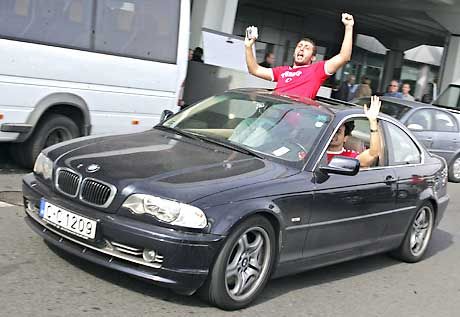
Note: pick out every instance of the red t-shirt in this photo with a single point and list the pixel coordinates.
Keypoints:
(347, 153)
(302, 81)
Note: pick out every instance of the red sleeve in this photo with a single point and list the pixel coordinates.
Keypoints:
(320, 71)
(277, 72)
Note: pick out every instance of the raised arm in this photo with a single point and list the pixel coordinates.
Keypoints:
(333, 64)
(254, 68)
(368, 157)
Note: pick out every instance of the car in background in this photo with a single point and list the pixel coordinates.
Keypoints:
(450, 97)
(234, 190)
(438, 129)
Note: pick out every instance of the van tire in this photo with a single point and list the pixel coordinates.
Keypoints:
(51, 129)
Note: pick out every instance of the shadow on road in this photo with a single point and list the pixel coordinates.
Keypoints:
(7, 163)
(441, 240)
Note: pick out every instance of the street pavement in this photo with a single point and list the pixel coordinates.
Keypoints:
(38, 280)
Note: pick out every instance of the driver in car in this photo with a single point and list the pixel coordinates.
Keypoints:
(368, 157)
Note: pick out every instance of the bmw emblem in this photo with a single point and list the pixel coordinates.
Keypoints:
(93, 168)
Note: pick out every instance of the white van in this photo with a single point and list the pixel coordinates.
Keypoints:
(76, 67)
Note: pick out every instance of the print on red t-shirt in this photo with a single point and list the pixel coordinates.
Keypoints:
(302, 81)
(347, 153)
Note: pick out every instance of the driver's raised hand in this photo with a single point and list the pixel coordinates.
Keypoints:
(374, 109)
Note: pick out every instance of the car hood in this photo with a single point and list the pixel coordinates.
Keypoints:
(166, 164)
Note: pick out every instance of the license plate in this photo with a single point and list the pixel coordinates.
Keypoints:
(67, 220)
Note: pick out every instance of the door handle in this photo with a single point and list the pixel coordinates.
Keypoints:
(390, 180)
(428, 141)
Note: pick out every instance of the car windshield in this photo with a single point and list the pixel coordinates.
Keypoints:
(268, 126)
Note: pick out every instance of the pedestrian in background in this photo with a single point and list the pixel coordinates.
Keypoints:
(364, 89)
(406, 92)
(347, 89)
(198, 55)
(269, 60)
(393, 90)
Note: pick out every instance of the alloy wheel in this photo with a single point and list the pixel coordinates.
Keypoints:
(421, 231)
(248, 264)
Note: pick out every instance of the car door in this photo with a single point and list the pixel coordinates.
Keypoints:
(446, 136)
(345, 211)
(421, 123)
(404, 157)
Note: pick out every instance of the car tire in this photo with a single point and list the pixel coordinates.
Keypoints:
(454, 170)
(243, 266)
(418, 235)
(52, 129)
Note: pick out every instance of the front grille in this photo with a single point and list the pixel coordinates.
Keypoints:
(96, 193)
(127, 249)
(68, 182)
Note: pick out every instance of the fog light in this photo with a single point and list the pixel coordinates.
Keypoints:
(30, 206)
(149, 255)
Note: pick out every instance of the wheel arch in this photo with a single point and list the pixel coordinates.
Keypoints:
(453, 157)
(67, 104)
(269, 212)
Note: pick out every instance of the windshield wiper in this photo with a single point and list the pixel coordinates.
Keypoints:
(178, 131)
(231, 146)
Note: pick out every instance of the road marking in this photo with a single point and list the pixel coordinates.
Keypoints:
(3, 204)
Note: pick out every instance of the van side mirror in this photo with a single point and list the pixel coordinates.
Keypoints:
(341, 165)
(165, 115)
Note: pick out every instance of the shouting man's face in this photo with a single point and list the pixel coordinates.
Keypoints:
(304, 53)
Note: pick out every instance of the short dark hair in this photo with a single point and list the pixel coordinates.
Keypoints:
(306, 39)
(349, 126)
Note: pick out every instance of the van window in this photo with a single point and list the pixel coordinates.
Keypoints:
(135, 28)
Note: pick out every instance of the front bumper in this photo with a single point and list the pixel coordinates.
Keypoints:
(183, 258)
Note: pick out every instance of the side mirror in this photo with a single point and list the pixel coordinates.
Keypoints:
(165, 115)
(341, 165)
(415, 127)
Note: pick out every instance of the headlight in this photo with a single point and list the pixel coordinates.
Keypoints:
(165, 210)
(43, 166)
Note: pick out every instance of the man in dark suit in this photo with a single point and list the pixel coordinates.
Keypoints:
(347, 89)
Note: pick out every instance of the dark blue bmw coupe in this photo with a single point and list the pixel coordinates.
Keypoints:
(234, 190)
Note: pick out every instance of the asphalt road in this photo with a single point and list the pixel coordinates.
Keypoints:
(37, 280)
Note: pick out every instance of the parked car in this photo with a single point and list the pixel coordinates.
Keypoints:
(234, 190)
(438, 129)
(450, 97)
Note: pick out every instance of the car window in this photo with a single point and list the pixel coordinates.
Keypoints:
(400, 148)
(359, 139)
(449, 98)
(421, 120)
(444, 122)
(394, 110)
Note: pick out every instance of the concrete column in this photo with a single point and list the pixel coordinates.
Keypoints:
(218, 15)
(451, 67)
(392, 67)
(422, 81)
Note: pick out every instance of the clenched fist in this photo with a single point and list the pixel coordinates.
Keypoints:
(347, 19)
